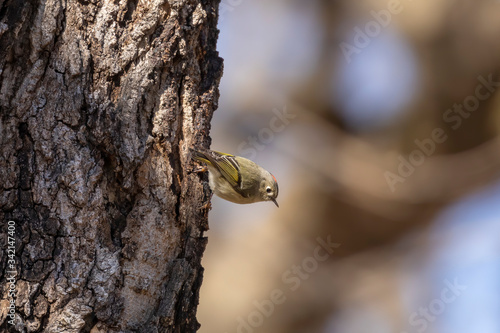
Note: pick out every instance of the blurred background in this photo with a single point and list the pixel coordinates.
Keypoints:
(380, 120)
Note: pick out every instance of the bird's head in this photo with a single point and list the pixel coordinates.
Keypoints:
(269, 189)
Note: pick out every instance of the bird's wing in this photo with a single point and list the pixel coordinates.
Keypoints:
(226, 164)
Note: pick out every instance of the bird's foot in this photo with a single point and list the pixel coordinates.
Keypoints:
(207, 206)
(201, 169)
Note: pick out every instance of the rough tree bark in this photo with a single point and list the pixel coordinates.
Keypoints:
(101, 102)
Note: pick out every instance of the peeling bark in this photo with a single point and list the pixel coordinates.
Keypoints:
(100, 103)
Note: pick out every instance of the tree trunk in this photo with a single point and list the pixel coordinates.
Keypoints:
(101, 102)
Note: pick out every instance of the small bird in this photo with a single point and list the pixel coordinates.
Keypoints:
(237, 179)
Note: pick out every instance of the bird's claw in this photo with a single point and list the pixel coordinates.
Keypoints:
(201, 169)
(207, 206)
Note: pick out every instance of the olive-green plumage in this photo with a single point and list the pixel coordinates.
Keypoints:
(238, 179)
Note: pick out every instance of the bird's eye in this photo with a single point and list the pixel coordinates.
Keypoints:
(268, 189)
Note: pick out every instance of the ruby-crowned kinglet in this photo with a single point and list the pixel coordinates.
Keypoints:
(238, 179)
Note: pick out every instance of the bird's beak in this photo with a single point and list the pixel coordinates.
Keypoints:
(275, 202)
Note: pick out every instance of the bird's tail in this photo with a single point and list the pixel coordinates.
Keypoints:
(200, 157)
